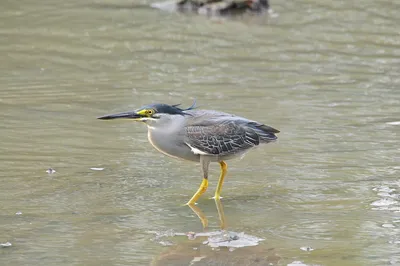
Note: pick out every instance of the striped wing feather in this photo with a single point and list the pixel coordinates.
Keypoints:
(222, 138)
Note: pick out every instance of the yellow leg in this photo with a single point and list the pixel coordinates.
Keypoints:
(203, 187)
(224, 168)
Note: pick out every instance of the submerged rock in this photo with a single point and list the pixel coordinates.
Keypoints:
(190, 253)
(214, 239)
(214, 248)
(214, 7)
(233, 240)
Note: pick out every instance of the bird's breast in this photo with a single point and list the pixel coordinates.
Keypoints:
(169, 144)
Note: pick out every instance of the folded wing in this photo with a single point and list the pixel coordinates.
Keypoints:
(227, 137)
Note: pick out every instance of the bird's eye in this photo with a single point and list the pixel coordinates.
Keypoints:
(150, 112)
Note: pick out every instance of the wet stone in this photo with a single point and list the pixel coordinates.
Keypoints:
(308, 249)
(5, 245)
(50, 171)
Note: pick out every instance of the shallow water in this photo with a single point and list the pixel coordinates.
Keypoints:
(325, 74)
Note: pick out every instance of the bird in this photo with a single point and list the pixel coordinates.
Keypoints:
(201, 136)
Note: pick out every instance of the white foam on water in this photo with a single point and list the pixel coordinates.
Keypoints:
(383, 202)
(299, 263)
(97, 168)
(394, 123)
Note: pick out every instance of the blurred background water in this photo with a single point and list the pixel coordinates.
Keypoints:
(325, 73)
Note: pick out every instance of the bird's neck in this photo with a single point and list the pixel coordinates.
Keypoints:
(168, 126)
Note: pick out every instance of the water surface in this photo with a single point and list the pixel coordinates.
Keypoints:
(325, 74)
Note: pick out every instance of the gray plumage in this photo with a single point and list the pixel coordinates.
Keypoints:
(218, 134)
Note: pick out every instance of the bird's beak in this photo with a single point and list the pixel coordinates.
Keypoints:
(126, 115)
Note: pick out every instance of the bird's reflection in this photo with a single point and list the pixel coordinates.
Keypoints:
(203, 217)
(224, 241)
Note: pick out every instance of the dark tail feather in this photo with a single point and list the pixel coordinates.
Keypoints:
(267, 133)
(268, 129)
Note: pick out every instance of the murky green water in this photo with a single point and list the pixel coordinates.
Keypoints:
(326, 74)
